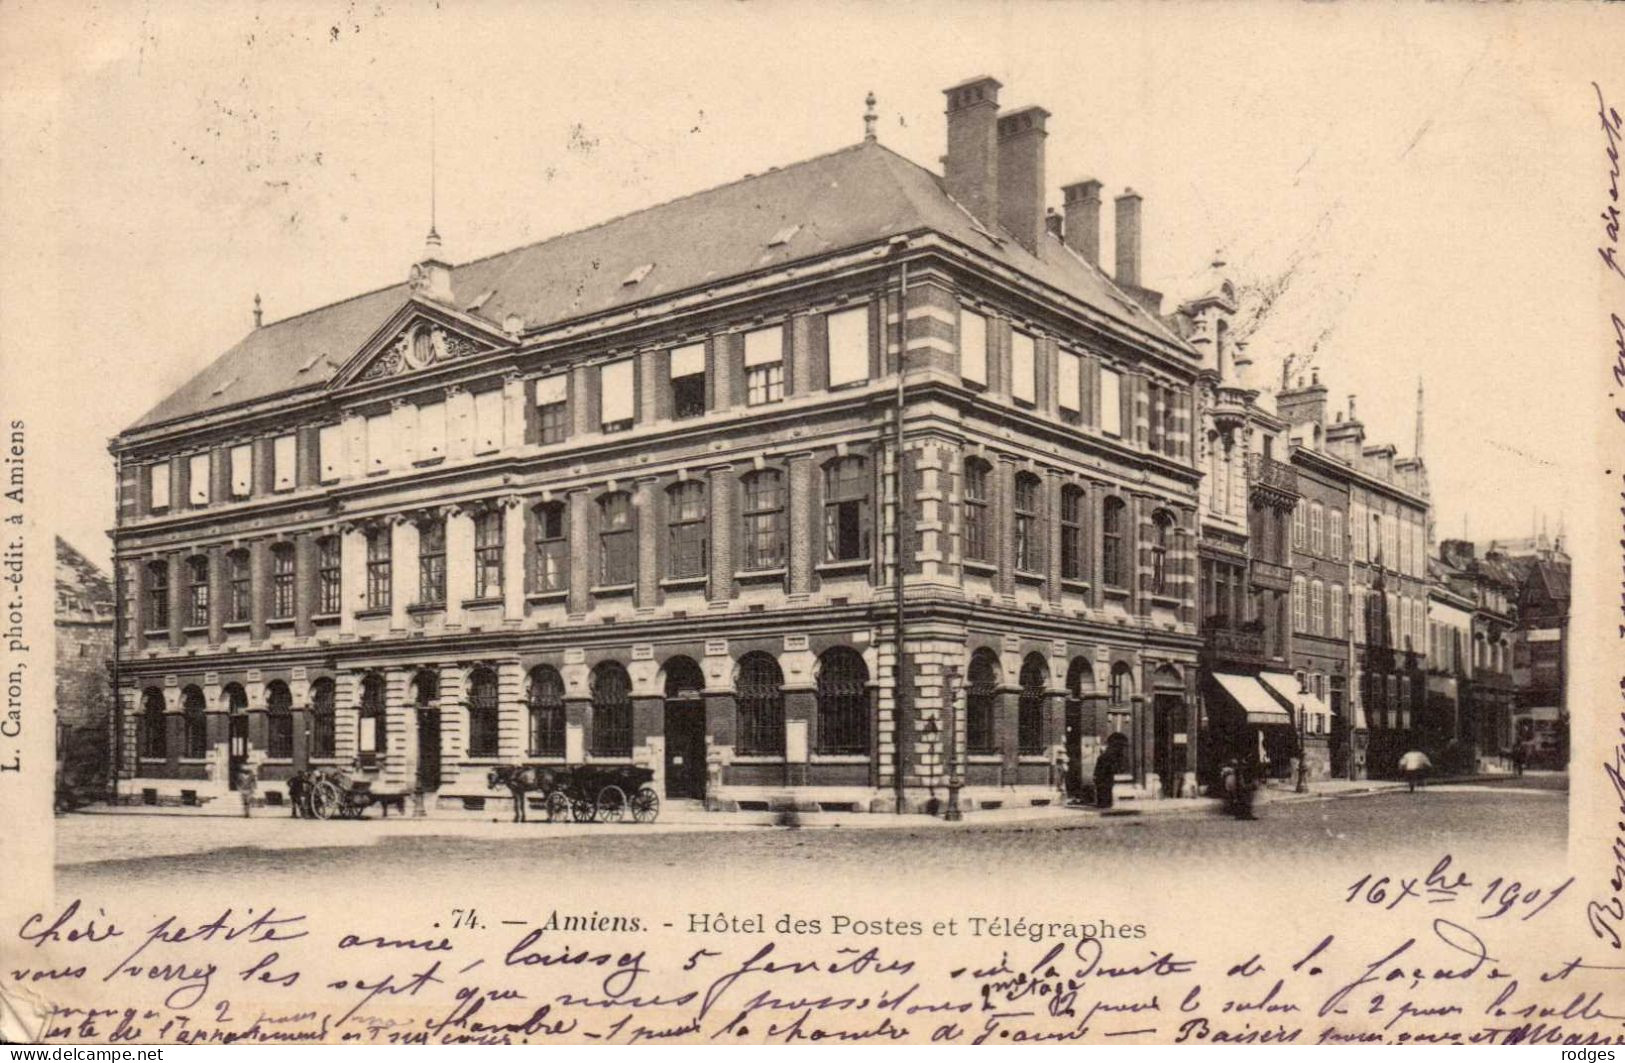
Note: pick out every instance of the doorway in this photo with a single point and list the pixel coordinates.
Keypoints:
(685, 748)
(1168, 741)
(237, 747)
(1074, 748)
(428, 750)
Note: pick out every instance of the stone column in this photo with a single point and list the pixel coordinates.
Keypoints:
(650, 386)
(723, 525)
(403, 569)
(581, 575)
(511, 737)
(453, 720)
(1004, 485)
(259, 590)
(1051, 508)
(304, 583)
(352, 576)
(513, 412)
(650, 526)
(398, 731)
(217, 595)
(513, 559)
(799, 527)
(346, 697)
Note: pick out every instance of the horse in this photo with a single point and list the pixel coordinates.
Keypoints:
(520, 779)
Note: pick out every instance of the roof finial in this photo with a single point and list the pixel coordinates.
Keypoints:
(870, 118)
(259, 312)
(433, 240)
(1419, 416)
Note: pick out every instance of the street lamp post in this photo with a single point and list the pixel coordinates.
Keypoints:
(950, 693)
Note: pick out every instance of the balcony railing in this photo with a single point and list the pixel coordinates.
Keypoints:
(1267, 472)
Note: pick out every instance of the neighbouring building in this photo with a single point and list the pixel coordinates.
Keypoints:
(84, 650)
(1359, 585)
(1487, 701)
(1540, 712)
(820, 488)
(1445, 725)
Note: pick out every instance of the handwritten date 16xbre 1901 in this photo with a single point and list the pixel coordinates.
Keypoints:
(1494, 897)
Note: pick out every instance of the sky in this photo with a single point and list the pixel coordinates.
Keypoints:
(1424, 174)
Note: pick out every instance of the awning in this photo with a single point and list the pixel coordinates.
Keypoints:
(1287, 686)
(1259, 704)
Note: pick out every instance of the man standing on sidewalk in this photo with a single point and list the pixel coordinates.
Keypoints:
(246, 783)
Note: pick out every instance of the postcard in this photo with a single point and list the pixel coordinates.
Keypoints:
(955, 523)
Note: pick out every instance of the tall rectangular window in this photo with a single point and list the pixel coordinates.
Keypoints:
(157, 595)
(487, 421)
(242, 470)
(973, 348)
(283, 567)
(330, 452)
(552, 571)
(1357, 523)
(764, 366)
(197, 480)
(1334, 534)
(1317, 608)
(284, 463)
(1072, 541)
(329, 575)
(1023, 368)
(763, 515)
(1300, 604)
(617, 392)
(1029, 523)
(238, 572)
(431, 431)
(848, 346)
(688, 381)
(432, 562)
(1069, 386)
(846, 510)
(978, 543)
(1336, 609)
(1300, 526)
(1317, 528)
(686, 521)
(488, 554)
(158, 485)
(617, 541)
(197, 571)
(380, 442)
(552, 406)
(1114, 565)
(1111, 402)
(378, 569)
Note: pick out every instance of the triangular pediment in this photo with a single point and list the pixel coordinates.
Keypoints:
(419, 336)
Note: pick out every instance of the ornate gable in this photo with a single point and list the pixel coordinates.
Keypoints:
(417, 338)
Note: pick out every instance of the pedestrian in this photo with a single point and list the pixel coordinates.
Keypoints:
(245, 786)
(1238, 786)
(1519, 755)
(296, 793)
(1413, 764)
(1107, 765)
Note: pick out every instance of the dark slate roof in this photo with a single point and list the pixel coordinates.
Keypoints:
(855, 196)
(77, 574)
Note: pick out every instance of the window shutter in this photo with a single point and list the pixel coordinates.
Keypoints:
(1111, 402)
(487, 422)
(197, 480)
(431, 431)
(848, 346)
(1069, 382)
(242, 470)
(1023, 367)
(284, 459)
(618, 392)
(973, 347)
(330, 452)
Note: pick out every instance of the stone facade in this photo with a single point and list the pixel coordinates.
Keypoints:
(84, 649)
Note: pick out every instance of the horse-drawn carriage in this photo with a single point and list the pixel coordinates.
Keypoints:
(581, 792)
(328, 793)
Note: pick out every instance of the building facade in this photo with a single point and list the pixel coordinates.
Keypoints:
(84, 650)
(794, 499)
(1492, 587)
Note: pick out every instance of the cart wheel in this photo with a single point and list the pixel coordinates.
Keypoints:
(582, 810)
(611, 804)
(645, 805)
(325, 800)
(558, 806)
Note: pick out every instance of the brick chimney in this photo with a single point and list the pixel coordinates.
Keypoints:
(971, 168)
(1128, 239)
(1304, 406)
(1021, 174)
(1081, 200)
(1053, 222)
(1346, 436)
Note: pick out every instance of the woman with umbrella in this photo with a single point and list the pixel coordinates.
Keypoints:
(1413, 764)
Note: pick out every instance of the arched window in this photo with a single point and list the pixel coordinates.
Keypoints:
(157, 595)
(1121, 686)
(544, 698)
(153, 741)
(322, 731)
(978, 539)
(1113, 564)
(426, 689)
(1030, 713)
(283, 567)
(278, 720)
(763, 517)
(197, 575)
(759, 692)
(686, 521)
(1080, 677)
(684, 680)
(843, 702)
(194, 712)
(981, 701)
(551, 571)
(1073, 556)
(372, 738)
(617, 541)
(611, 711)
(846, 509)
(482, 713)
(1029, 522)
(1162, 526)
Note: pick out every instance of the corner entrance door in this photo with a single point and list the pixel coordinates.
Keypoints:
(1165, 722)
(1074, 748)
(428, 750)
(685, 748)
(236, 747)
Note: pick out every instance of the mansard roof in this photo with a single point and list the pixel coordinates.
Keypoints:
(852, 197)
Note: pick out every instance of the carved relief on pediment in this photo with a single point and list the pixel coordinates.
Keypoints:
(419, 346)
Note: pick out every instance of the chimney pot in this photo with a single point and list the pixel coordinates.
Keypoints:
(1053, 222)
(1021, 137)
(1128, 239)
(1082, 202)
(970, 169)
